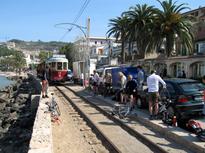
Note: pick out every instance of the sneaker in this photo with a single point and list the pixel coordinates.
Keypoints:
(43, 96)
(151, 117)
(46, 96)
(156, 117)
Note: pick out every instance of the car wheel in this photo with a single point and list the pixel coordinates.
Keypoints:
(139, 103)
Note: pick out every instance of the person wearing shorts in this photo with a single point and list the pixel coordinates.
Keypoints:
(153, 90)
(122, 82)
(95, 82)
(130, 89)
(45, 73)
(107, 83)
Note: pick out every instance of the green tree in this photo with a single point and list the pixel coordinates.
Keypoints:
(18, 61)
(141, 24)
(6, 63)
(43, 55)
(68, 50)
(4, 51)
(169, 24)
(119, 29)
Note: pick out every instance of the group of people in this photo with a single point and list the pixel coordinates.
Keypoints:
(128, 89)
(130, 86)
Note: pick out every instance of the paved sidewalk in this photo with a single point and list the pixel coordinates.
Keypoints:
(177, 134)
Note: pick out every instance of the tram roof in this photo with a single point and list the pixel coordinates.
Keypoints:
(56, 59)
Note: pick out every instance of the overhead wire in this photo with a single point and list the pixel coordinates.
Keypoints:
(82, 9)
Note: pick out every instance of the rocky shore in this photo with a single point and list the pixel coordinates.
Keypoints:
(17, 115)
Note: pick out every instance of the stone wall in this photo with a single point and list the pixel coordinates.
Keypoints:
(17, 115)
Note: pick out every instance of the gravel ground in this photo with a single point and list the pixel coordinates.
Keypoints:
(72, 135)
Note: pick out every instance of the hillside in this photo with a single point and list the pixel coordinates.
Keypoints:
(38, 45)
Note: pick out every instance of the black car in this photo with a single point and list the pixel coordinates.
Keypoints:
(187, 96)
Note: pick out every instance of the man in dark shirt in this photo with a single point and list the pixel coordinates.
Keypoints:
(130, 89)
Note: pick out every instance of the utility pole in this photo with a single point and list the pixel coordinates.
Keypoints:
(109, 51)
(88, 49)
(87, 54)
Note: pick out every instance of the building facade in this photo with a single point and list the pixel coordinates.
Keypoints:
(193, 65)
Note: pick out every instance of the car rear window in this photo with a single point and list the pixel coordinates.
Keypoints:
(192, 86)
(131, 71)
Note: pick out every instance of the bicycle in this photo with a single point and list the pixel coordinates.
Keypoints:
(165, 112)
(53, 107)
(122, 110)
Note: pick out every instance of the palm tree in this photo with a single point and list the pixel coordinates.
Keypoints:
(119, 31)
(141, 23)
(170, 23)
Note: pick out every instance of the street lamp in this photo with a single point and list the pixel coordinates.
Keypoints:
(82, 28)
(69, 29)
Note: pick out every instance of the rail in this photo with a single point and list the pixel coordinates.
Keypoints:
(154, 147)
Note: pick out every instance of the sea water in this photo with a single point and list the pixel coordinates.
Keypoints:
(5, 82)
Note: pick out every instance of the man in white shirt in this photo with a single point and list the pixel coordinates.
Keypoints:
(95, 81)
(153, 90)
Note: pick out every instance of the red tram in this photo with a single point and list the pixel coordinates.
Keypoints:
(57, 68)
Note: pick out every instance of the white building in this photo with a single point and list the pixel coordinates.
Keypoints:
(94, 47)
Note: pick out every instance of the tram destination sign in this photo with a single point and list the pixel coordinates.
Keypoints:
(59, 56)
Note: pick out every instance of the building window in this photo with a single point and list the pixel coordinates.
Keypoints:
(100, 51)
(201, 47)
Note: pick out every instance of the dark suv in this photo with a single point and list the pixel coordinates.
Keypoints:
(187, 96)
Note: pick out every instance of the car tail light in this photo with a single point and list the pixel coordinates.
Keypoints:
(204, 95)
(183, 99)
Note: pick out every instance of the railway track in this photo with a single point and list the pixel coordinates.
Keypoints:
(114, 134)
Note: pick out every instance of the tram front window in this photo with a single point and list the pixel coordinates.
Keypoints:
(53, 65)
(59, 66)
(64, 66)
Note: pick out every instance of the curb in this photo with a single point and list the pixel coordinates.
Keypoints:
(176, 134)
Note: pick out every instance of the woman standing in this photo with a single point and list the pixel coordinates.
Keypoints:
(123, 81)
(45, 83)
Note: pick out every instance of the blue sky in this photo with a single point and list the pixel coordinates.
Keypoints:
(33, 20)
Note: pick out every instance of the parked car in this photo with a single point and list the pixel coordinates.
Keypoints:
(187, 95)
(126, 70)
(69, 75)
